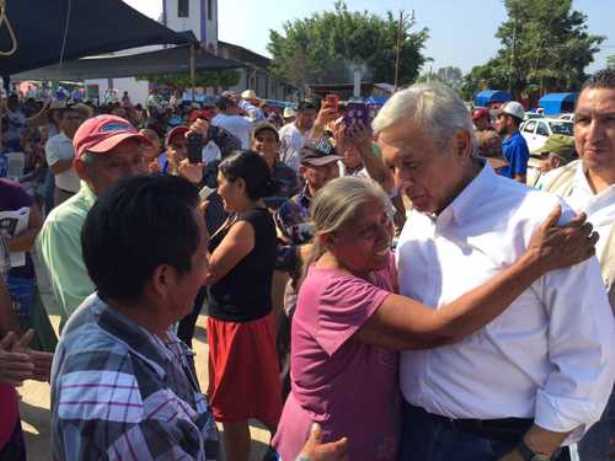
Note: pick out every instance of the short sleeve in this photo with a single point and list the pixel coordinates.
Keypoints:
(345, 305)
(51, 152)
(519, 158)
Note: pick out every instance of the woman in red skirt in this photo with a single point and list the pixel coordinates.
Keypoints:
(243, 364)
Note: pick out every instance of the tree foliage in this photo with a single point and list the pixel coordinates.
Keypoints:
(545, 46)
(326, 47)
(449, 75)
(224, 79)
(610, 61)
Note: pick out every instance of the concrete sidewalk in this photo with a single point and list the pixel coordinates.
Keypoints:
(36, 416)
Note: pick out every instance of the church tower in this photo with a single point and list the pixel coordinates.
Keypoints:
(199, 16)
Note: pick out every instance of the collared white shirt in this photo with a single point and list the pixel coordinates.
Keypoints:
(236, 125)
(291, 142)
(549, 356)
(60, 147)
(600, 208)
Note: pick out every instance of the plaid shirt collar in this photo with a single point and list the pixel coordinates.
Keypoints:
(140, 342)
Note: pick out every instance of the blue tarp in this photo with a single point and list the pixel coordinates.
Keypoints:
(556, 103)
(484, 98)
(377, 100)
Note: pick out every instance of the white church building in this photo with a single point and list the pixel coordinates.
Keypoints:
(201, 17)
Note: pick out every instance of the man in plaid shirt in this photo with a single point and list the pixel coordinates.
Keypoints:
(123, 384)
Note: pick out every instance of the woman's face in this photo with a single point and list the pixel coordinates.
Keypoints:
(231, 192)
(364, 244)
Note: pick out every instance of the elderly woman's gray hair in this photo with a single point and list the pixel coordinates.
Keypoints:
(339, 204)
(435, 107)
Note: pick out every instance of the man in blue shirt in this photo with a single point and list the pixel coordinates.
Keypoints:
(514, 146)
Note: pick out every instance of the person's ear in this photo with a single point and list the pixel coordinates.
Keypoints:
(80, 168)
(327, 240)
(462, 144)
(161, 279)
(242, 186)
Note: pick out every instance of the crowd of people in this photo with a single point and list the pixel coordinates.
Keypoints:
(415, 287)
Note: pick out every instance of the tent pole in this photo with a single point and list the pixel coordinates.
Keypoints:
(192, 69)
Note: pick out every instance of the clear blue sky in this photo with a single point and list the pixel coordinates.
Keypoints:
(461, 31)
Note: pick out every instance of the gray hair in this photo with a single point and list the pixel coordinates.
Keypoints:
(338, 204)
(435, 107)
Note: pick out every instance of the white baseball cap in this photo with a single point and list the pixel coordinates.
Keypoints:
(513, 108)
(250, 95)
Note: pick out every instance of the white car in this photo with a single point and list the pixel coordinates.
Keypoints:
(569, 117)
(536, 131)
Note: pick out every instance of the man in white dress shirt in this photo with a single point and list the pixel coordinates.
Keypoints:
(229, 119)
(60, 154)
(293, 135)
(540, 374)
(588, 185)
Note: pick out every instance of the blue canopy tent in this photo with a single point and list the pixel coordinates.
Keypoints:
(377, 100)
(556, 103)
(487, 97)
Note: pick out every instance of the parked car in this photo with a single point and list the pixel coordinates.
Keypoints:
(531, 115)
(536, 131)
(569, 117)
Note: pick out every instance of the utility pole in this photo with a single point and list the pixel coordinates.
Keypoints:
(400, 31)
(512, 61)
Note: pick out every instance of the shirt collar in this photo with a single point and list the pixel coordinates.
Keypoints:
(471, 196)
(134, 336)
(87, 193)
(580, 178)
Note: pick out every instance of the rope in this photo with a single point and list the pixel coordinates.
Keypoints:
(4, 18)
(66, 26)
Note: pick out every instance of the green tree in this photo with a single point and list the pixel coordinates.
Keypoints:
(450, 75)
(224, 79)
(610, 61)
(545, 45)
(326, 47)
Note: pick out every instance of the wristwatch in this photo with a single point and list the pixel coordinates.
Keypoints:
(528, 455)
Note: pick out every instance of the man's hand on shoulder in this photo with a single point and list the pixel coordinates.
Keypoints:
(315, 450)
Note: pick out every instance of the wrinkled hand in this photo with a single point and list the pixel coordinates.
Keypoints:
(325, 115)
(563, 246)
(199, 126)
(314, 450)
(40, 360)
(193, 172)
(15, 364)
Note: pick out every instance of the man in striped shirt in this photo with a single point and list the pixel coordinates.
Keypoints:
(123, 384)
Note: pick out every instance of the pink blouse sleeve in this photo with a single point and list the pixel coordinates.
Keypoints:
(345, 305)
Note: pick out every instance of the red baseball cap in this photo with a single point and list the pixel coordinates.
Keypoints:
(205, 114)
(103, 133)
(480, 113)
(178, 130)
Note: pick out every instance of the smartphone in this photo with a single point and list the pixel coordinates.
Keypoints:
(195, 147)
(332, 100)
(356, 112)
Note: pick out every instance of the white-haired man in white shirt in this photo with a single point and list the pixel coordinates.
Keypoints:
(537, 377)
